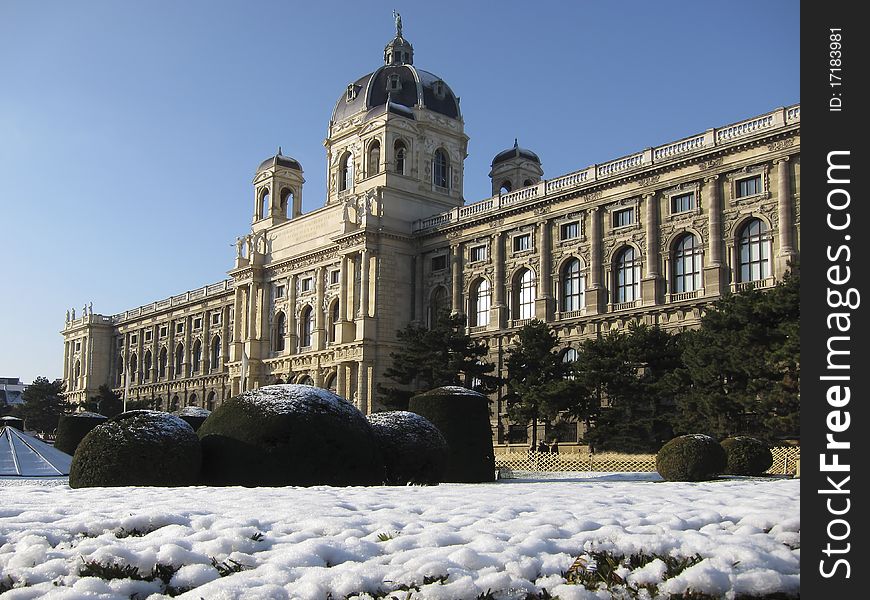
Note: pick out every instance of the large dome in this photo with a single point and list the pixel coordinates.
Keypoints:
(397, 87)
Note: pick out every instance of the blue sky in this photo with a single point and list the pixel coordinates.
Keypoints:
(129, 132)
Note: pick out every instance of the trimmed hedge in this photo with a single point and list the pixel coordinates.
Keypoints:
(746, 456)
(194, 415)
(138, 447)
(288, 434)
(694, 457)
(462, 417)
(72, 429)
(412, 448)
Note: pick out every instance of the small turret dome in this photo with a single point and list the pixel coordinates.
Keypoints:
(515, 152)
(279, 160)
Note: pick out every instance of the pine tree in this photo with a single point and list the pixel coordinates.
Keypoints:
(106, 402)
(43, 405)
(539, 385)
(431, 358)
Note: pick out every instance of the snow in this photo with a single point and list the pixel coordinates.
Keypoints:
(511, 537)
(86, 413)
(401, 424)
(147, 425)
(295, 398)
(193, 411)
(455, 390)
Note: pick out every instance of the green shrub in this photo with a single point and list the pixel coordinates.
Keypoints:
(692, 457)
(288, 435)
(412, 448)
(72, 429)
(195, 416)
(138, 447)
(462, 417)
(746, 456)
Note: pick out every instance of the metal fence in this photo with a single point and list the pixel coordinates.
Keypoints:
(785, 461)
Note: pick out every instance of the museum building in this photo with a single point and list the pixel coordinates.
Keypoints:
(317, 298)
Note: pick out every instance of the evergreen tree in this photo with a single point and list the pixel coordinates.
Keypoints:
(741, 373)
(106, 402)
(43, 405)
(431, 358)
(628, 405)
(539, 385)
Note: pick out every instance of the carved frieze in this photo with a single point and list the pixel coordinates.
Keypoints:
(709, 164)
(780, 145)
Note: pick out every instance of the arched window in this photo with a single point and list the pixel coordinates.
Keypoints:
(161, 365)
(197, 356)
(573, 286)
(334, 319)
(306, 324)
(437, 303)
(528, 182)
(216, 352)
(264, 204)
(374, 166)
(399, 150)
(481, 296)
(134, 363)
(192, 400)
(525, 295)
(146, 366)
(77, 371)
(286, 201)
(280, 332)
(179, 360)
(305, 380)
(505, 187)
(754, 251)
(439, 168)
(345, 172)
(173, 404)
(687, 264)
(158, 403)
(209, 402)
(331, 382)
(569, 357)
(120, 370)
(627, 276)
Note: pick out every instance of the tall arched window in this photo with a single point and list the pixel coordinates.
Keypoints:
(286, 201)
(437, 303)
(334, 319)
(173, 404)
(687, 264)
(573, 286)
(481, 298)
(627, 276)
(345, 172)
(197, 356)
(179, 360)
(331, 383)
(525, 295)
(216, 352)
(209, 402)
(264, 204)
(440, 167)
(754, 251)
(192, 400)
(505, 187)
(374, 166)
(400, 151)
(569, 357)
(161, 365)
(134, 364)
(146, 366)
(306, 323)
(120, 370)
(77, 372)
(279, 332)
(158, 403)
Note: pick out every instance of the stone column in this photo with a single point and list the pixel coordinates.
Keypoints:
(363, 402)
(66, 362)
(290, 339)
(786, 221)
(715, 279)
(186, 367)
(544, 300)
(236, 337)
(651, 284)
(319, 340)
(340, 380)
(419, 317)
(456, 276)
(252, 312)
(365, 272)
(595, 293)
(499, 310)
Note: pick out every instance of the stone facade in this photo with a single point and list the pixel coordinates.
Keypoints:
(317, 298)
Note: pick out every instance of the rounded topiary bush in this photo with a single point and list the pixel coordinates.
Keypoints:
(72, 429)
(746, 456)
(411, 447)
(194, 415)
(693, 457)
(138, 447)
(462, 417)
(288, 435)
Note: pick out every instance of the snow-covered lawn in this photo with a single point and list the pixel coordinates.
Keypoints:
(510, 538)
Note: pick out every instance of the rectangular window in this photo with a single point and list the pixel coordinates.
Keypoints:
(179, 328)
(133, 339)
(749, 186)
(439, 263)
(307, 284)
(477, 254)
(623, 218)
(78, 346)
(279, 291)
(683, 202)
(523, 242)
(197, 323)
(570, 231)
(335, 277)
(148, 335)
(163, 331)
(215, 318)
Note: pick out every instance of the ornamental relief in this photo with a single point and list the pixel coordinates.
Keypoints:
(652, 179)
(597, 195)
(709, 164)
(780, 145)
